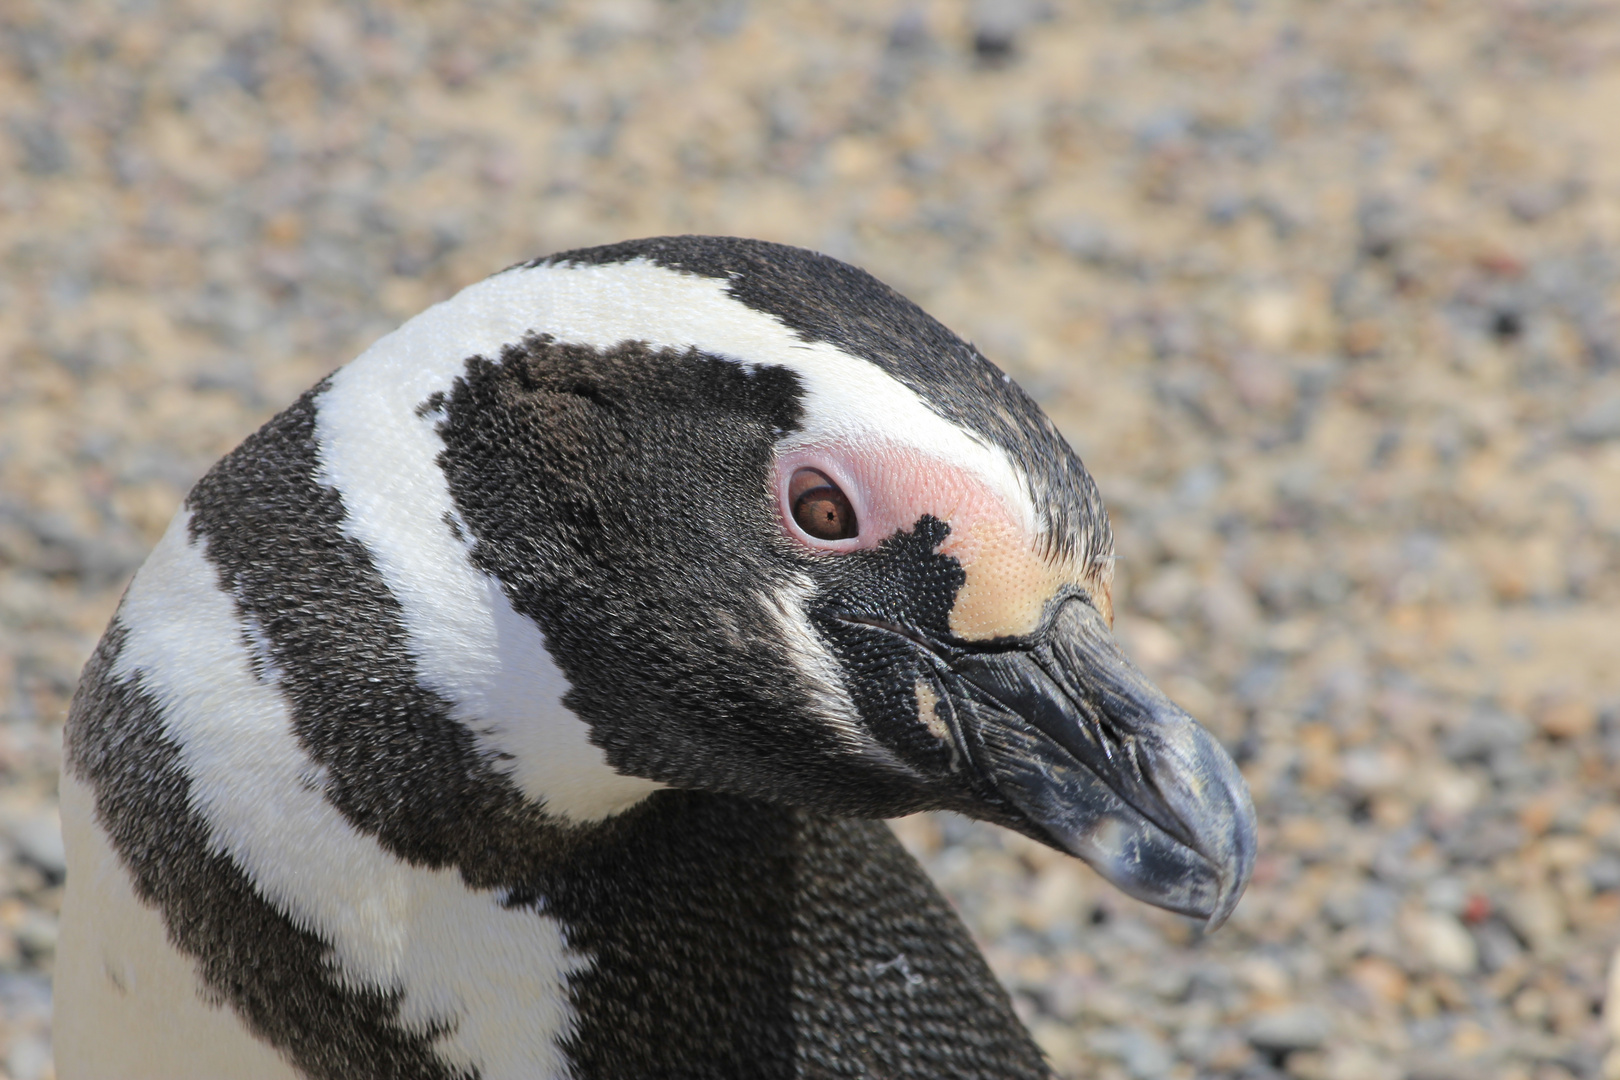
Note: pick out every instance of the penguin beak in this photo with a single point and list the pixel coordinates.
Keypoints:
(1100, 764)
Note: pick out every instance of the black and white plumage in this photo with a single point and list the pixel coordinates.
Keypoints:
(486, 713)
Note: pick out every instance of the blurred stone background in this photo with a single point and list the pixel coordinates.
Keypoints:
(1327, 295)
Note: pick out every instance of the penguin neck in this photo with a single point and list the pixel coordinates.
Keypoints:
(730, 937)
(664, 845)
(685, 912)
(666, 860)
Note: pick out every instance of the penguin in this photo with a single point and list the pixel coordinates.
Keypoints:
(525, 700)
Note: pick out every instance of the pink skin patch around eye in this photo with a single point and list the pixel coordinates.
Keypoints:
(890, 488)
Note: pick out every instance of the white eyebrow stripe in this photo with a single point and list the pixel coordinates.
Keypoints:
(848, 400)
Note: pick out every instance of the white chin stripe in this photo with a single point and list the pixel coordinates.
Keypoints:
(468, 644)
(494, 978)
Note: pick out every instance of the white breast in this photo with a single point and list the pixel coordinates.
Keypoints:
(128, 1005)
(494, 978)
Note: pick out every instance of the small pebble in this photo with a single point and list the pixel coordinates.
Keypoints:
(1301, 1028)
(38, 839)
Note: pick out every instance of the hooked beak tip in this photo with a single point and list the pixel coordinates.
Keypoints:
(1103, 764)
(1234, 879)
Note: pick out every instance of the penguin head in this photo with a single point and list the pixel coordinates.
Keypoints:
(789, 538)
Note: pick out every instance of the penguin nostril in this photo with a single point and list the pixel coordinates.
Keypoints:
(820, 508)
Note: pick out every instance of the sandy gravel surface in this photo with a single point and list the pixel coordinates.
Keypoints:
(1327, 295)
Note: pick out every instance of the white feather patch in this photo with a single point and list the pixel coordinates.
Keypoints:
(496, 978)
(469, 644)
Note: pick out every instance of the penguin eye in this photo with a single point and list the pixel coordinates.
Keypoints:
(820, 508)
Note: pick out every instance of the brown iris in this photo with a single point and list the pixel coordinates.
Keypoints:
(820, 508)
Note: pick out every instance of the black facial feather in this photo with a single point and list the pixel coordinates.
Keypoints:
(906, 582)
(622, 496)
(823, 299)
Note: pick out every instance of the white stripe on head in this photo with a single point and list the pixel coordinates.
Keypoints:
(468, 643)
(495, 979)
(849, 401)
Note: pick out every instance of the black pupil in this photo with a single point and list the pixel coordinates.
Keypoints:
(824, 512)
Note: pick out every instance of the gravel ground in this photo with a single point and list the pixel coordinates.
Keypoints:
(1326, 294)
